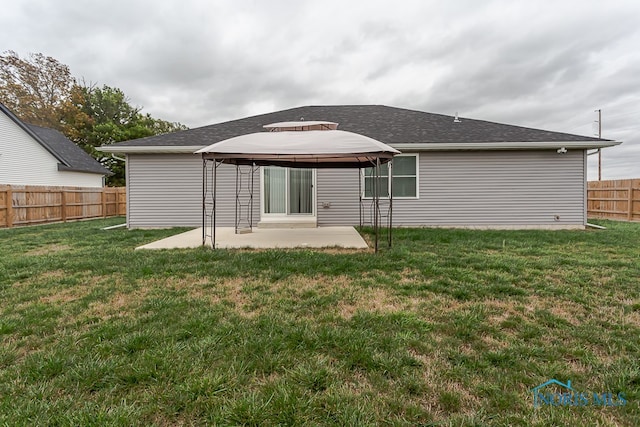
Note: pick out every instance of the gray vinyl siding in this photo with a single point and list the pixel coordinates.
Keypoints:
(498, 188)
(474, 188)
(165, 190)
(339, 188)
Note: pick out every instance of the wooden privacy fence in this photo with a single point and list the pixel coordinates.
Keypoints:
(24, 205)
(617, 199)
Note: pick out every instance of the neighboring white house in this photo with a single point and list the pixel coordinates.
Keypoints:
(33, 155)
(453, 172)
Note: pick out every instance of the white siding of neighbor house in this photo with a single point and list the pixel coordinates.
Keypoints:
(165, 190)
(494, 189)
(23, 161)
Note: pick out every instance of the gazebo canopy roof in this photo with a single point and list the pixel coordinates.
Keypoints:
(307, 149)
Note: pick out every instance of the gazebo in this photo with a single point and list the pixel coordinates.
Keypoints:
(300, 144)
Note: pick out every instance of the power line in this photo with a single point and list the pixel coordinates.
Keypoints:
(630, 113)
(612, 116)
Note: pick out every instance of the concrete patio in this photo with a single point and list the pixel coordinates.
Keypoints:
(267, 238)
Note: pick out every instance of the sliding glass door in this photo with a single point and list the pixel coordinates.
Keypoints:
(287, 191)
(275, 190)
(300, 191)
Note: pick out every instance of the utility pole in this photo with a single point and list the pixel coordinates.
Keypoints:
(599, 111)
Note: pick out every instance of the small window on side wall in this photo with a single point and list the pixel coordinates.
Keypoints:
(404, 178)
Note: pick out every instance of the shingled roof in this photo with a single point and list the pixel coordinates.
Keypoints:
(390, 125)
(70, 156)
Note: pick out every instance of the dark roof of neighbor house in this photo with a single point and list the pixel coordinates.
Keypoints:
(73, 157)
(386, 124)
(70, 156)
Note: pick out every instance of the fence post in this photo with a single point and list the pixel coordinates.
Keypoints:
(9, 202)
(117, 194)
(63, 204)
(103, 199)
(630, 201)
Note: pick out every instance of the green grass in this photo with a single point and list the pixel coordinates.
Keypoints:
(449, 327)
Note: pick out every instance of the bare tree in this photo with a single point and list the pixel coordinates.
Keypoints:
(35, 88)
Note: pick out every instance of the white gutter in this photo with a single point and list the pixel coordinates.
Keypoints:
(481, 146)
(410, 146)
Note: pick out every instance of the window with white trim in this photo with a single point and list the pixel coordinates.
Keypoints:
(404, 178)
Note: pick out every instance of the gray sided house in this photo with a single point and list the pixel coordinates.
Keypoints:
(453, 172)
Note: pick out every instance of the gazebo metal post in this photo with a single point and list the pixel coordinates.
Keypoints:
(390, 219)
(215, 188)
(376, 203)
(253, 170)
(360, 195)
(237, 198)
(209, 188)
(204, 196)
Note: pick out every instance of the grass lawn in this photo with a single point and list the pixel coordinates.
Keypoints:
(450, 327)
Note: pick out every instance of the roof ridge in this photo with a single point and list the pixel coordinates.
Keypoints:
(320, 106)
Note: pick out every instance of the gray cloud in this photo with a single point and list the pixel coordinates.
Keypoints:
(541, 64)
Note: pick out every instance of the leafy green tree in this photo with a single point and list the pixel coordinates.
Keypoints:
(101, 116)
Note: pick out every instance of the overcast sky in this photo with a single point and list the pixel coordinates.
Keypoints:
(543, 64)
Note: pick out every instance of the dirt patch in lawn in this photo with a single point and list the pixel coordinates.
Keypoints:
(53, 274)
(299, 284)
(119, 304)
(497, 311)
(230, 291)
(195, 286)
(234, 293)
(633, 318)
(569, 311)
(43, 277)
(348, 296)
(48, 249)
(372, 299)
(66, 295)
(341, 295)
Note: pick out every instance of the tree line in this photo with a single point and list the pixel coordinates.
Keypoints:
(42, 91)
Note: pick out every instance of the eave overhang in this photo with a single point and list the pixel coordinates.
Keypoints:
(482, 146)
(408, 146)
(158, 149)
